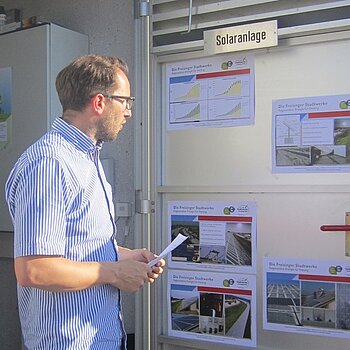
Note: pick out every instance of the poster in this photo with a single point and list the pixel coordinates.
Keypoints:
(217, 307)
(307, 296)
(311, 134)
(221, 235)
(210, 92)
(5, 107)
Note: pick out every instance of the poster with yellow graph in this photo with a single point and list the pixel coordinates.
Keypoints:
(210, 92)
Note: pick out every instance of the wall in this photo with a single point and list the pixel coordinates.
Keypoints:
(110, 27)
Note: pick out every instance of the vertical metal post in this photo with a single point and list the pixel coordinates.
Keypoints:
(347, 235)
(141, 120)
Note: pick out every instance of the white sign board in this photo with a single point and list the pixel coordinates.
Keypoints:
(239, 38)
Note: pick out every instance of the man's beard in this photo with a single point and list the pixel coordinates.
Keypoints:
(104, 129)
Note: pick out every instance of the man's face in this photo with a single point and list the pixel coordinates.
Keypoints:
(116, 113)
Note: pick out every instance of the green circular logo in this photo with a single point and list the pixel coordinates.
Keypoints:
(224, 66)
(343, 105)
(332, 270)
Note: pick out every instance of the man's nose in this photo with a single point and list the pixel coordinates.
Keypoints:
(127, 113)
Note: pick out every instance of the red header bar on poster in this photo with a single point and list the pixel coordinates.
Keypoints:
(225, 218)
(330, 114)
(224, 290)
(324, 278)
(223, 73)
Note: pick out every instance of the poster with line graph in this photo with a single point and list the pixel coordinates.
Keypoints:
(210, 92)
(225, 109)
(186, 112)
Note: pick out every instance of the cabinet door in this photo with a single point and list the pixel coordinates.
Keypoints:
(65, 46)
(26, 53)
(35, 56)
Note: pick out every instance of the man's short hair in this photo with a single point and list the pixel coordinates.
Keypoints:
(85, 77)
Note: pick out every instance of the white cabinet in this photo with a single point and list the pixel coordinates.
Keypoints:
(35, 56)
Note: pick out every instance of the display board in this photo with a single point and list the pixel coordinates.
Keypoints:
(229, 156)
(234, 164)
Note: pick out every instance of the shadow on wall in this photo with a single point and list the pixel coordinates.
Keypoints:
(10, 334)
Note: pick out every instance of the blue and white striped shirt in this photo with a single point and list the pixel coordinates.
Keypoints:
(61, 204)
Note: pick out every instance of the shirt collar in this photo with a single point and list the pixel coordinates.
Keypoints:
(72, 134)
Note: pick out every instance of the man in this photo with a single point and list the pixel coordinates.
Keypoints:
(68, 265)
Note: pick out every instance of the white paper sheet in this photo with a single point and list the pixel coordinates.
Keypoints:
(175, 243)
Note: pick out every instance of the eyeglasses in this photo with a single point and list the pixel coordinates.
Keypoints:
(129, 100)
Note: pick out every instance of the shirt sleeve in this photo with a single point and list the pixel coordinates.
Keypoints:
(39, 214)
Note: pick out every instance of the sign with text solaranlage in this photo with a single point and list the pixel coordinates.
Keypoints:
(239, 38)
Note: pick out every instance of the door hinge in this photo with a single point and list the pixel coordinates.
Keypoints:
(144, 9)
(143, 206)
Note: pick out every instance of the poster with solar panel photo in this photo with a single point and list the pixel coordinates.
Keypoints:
(218, 307)
(221, 235)
(307, 296)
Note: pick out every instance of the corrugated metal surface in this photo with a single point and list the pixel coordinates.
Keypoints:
(181, 21)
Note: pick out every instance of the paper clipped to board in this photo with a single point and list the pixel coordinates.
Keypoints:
(175, 243)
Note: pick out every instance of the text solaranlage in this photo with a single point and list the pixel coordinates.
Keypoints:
(247, 37)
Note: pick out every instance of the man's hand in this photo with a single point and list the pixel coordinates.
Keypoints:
(143, 255)
(128, 275)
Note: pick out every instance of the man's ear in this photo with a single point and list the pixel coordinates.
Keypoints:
(97, 103)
